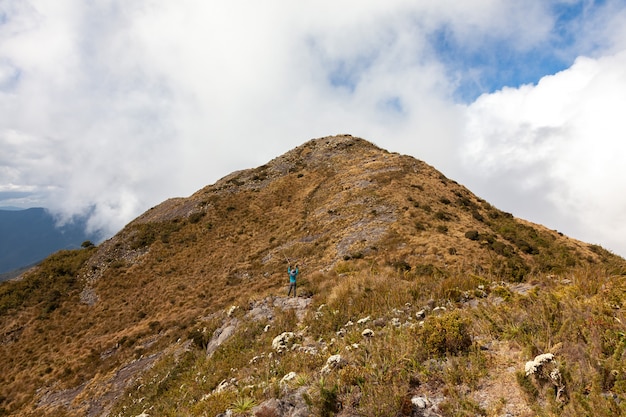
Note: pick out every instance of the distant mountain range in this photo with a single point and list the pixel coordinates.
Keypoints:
(28, 236)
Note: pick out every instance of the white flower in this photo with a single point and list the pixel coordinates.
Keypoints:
(532, 367)
(290, 376)
(367, 333)
(281, 342)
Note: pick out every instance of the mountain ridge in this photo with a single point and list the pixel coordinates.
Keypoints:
(317, 155)
(364, 223)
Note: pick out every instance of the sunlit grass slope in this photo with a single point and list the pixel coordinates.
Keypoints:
(457, 294)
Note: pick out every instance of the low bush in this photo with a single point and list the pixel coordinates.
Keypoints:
(196, 216)
(442, 215)
(446, 334)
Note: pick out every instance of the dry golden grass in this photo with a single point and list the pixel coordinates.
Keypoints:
(371, 231)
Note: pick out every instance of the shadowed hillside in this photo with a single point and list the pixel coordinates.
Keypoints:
(177, 313)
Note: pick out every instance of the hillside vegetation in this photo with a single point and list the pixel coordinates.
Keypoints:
(415, 298)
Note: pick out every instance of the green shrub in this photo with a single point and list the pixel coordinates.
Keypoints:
(196, 216)
(425, 270)
(401, 266)
(324, 399)
(442, 215)
(446, 334)
(145, 234)
(527, 386)
(476, 215)
(513, 269)
(356, 255)
(526, 247)
(502, 249)
(243, 405)
(200, 339)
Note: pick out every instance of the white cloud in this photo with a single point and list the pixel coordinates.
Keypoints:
(110, 107)
(561, 141)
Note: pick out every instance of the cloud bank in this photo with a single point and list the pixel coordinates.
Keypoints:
(108, 108)
(561, 143)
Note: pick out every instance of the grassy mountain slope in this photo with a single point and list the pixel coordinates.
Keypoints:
(124, 328)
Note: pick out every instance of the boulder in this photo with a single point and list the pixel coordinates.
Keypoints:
(292, 404)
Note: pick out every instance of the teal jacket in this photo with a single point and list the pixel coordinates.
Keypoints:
(293, 274)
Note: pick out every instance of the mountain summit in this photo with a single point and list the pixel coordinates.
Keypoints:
(341, 197)
(422, 293)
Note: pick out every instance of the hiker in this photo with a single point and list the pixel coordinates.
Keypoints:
(293, 274)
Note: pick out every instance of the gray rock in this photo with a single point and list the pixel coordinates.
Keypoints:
(292, 404)
(221, 335)
(380, 322)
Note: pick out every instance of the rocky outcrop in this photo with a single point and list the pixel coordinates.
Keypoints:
(221, 335)
(291, 404)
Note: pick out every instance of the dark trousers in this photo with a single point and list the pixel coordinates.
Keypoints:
(292, 285)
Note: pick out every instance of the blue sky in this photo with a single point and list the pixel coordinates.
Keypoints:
(108, 108)
(498, 62)
(495, 64)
